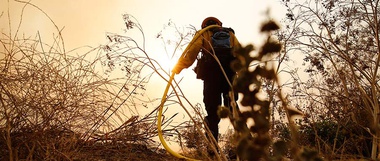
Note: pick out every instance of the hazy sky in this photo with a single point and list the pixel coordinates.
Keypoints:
(85, 22)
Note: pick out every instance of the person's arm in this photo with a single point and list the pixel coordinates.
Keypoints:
(189, 56)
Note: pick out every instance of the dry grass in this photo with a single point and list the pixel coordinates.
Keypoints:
(121, 152)
(56, 105)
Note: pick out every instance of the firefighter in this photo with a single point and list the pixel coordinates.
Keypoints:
(215, 84)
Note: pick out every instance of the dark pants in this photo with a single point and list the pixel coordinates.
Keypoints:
(215, 91)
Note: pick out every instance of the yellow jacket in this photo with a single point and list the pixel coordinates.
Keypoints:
(201, 42)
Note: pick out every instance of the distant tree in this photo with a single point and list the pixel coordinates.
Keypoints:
(340, 43)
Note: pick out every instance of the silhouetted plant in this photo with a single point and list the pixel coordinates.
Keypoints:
(55, 104)
(253, 141)
(339, 43)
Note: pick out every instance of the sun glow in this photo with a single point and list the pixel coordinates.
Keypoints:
(166, 63)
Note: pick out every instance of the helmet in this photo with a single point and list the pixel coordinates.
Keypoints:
(211, 21)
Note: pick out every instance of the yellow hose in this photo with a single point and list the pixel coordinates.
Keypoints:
(163, 100)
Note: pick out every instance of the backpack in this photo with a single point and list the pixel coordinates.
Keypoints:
(221, 38)
(220, 41)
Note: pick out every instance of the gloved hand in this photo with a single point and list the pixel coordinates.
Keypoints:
(176, 70)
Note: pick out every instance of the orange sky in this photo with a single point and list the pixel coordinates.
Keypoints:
(85, 22)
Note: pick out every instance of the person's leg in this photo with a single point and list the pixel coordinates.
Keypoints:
(226, 88)
(227, 100)
(212, 99)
